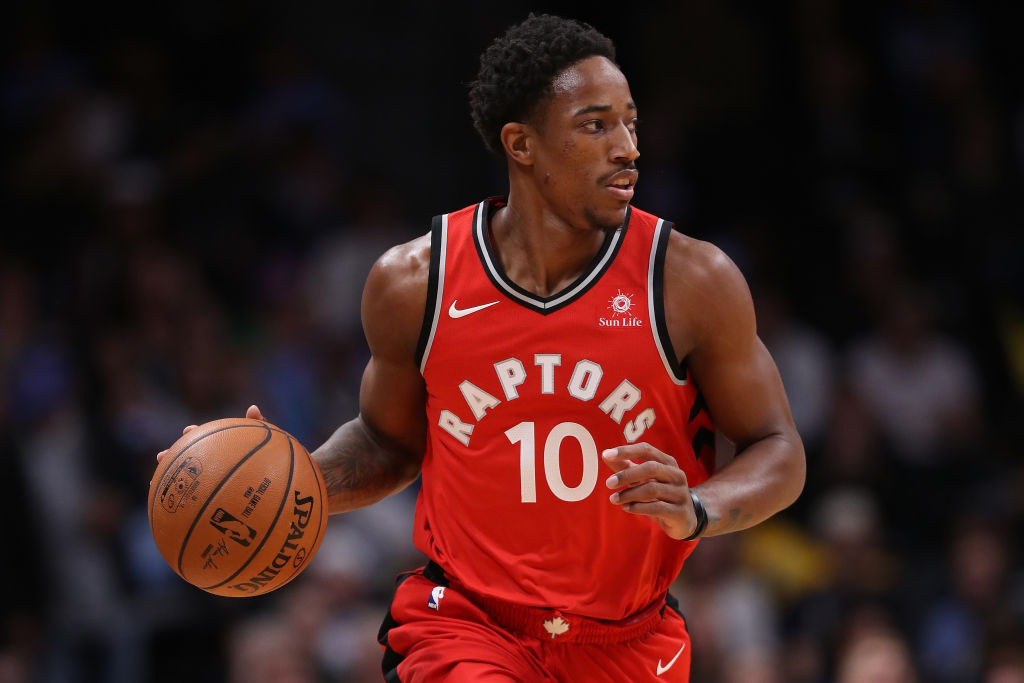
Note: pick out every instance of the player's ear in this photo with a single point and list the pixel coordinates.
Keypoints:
(517, 139)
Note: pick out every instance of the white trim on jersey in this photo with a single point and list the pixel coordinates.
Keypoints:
(650, 304)
(442, 257)
(498, 277)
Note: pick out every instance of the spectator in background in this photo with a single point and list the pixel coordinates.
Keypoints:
(859, 584)
(75, 514)
(922, 391)
(263, 649)
(731, 616)
(1006, 662)
(854, 452)
(981, 601)
(805, 359)
(879, 655)
(921, 385)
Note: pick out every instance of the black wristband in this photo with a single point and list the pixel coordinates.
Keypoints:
(702, 517)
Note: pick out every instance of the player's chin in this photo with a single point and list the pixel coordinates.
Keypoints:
(608, 217)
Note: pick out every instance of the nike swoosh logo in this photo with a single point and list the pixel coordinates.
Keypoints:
(458, 313)
(666, 667)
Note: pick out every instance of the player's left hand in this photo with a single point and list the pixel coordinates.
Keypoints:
(650, 483)
(253, 413)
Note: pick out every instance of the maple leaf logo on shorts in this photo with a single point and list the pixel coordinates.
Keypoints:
(556, 626)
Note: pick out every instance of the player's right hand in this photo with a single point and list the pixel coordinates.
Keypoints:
(650, 482)
(253, 413)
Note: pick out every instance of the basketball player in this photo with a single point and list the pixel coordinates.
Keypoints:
(550, 363)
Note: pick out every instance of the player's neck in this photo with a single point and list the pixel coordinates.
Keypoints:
(538, 250)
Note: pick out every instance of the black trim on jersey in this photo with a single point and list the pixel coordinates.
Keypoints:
(613, 240)
(435, 573)
(672, 603)
(391, 659)
(661, 327)
(435, 268)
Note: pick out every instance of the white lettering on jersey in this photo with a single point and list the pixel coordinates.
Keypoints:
(583, 385)
(450, 423)
(522, 434)
(623, 398)
(585, 378)
(553, 464)
(478, 400)
(511, 374)
(637, 427)
(547, 363)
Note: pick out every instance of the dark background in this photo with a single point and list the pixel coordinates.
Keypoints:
(192, 196)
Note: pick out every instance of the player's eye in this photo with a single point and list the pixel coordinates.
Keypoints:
(593, 125)
(632, 125)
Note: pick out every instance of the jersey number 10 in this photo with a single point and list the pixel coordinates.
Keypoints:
(524, 434)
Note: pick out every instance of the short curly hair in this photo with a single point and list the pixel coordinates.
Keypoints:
(518, 68)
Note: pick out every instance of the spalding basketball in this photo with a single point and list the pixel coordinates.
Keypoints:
(237, 507)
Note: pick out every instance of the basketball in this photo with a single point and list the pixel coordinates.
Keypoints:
(237, 507)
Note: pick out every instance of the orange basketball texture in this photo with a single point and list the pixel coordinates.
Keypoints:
(237, 507)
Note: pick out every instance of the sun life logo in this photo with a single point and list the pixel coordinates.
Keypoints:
(620, 304)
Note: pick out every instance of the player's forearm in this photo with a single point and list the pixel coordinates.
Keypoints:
(361, 467)
(762, 479)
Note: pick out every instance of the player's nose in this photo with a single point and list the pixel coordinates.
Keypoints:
(624, 145)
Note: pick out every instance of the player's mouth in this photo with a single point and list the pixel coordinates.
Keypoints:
(621, 183)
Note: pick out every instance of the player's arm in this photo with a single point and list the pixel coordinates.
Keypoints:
(710, 316)
(741, 385)
(380, 451)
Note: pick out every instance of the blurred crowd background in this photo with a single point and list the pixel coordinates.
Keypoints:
(194, 193)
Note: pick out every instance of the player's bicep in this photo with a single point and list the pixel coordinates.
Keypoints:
(392, 400)
(392, 395)
(743, 391)
(734, 370)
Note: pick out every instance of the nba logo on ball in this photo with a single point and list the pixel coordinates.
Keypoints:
(237, 507)
(288, 554)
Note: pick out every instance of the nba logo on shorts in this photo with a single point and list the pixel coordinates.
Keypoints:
(435, 597)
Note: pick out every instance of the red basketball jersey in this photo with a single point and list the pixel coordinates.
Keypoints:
(523, 394)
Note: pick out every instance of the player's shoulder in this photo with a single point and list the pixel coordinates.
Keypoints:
(402, 269)
(700, 263)
(706, 295)
(395, 295)
(700, 259)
